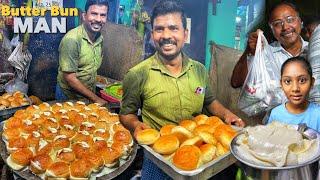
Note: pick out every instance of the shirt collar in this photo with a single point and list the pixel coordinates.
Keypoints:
(277, 46)
(158, 65)
(85, 36)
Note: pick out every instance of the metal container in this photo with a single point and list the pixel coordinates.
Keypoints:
(204, 172)
(305, 171)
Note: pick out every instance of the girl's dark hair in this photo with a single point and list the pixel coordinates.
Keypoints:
(163, 7)
(293, 6)
(300, 59)
(96, 2)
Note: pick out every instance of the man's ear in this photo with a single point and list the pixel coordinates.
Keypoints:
(186, 34)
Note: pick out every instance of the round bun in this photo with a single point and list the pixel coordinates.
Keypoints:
(200, 119)
(167, 144)
(40, 163)
(58, 170)
(214, 121)
(207, 137)
(204, 128)
(22, 156)
(188, 124)
(220, 149)
(197, 141)
(224, 134)
(182, 133)
(187, 158)
(208, 152)
(147, 136)
(166, 129)
(80, 168)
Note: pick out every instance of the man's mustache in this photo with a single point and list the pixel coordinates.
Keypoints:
(167, 41)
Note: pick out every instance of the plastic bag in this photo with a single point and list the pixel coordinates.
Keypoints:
(261, 90)
(314, 59)
(20, 60)
(16, 85)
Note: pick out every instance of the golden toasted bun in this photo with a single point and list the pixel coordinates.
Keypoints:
(200, 119)
(80, 168)
(204, 128)
(13, 123)
(40, 163)
(214, 121)
(66, 155)
(181, 131)
(96, 160)
(110, 157)
(188, 124)
(166, 144)
(81, 149)
(224, 134)
(35, 100)
(6, 95)
(187, 158)
(11, 134)
(196, 140)
(14, 104)
(22, 156)
(147, 136)
(5, 102)
(17, 143)
(122, 136)
(58, 170)
(166, 129)
(220, 150)
(207, 137)
(208, 152)
(44, 107)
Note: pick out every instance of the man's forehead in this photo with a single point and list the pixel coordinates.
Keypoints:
(283, 10)
(171, 19)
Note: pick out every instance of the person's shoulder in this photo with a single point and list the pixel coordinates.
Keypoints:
(278, 108)
(73, 33)
(314, 106)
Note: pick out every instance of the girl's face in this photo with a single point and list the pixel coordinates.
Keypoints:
(296, 83)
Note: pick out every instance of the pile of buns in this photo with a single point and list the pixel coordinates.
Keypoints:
(16, 99)
(68, 140)
(192, 143)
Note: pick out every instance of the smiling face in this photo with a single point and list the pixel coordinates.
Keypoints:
(95, 18)
(169, 35)
(286, 26)
(296, 83)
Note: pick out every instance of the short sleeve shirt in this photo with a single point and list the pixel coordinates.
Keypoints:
(311, 116)
(77, 54)
(163, 98)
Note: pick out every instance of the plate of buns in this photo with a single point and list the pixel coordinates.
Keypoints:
(195, 148)
(69, 140)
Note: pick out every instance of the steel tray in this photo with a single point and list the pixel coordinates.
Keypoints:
(27, 174)
(204, 172)
(6, 113)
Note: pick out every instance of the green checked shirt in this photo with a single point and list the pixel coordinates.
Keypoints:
(163, 98)
(79, 55)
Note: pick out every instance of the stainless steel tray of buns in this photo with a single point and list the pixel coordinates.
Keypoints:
(203, 172)
(6, 113)
(27, 174)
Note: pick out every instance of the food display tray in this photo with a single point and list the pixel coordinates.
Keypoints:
(203, 172)
(8, 112)
(27, 174)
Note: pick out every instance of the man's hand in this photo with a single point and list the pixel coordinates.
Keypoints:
(139, 127)
(101, 101)
(231, 118)
(252, 42)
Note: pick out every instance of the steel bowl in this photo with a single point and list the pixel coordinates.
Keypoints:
(306, 171)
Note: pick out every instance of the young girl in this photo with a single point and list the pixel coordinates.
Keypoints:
(296, 82)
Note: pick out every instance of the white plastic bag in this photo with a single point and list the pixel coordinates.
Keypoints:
(261, 90)
(20, 59)
(314, 59)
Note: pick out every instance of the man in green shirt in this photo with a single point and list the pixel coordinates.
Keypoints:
(169, 86)
(81, 55)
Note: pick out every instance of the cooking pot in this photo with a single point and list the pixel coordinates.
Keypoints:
(305, 171)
